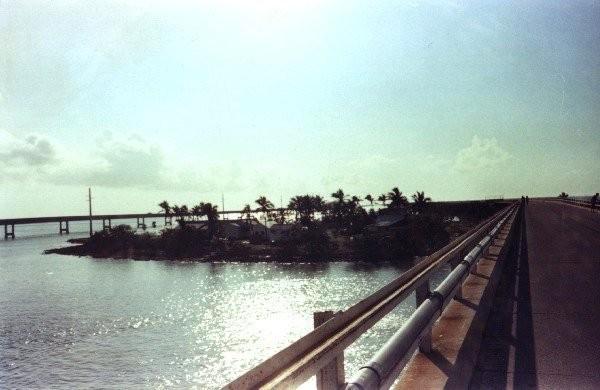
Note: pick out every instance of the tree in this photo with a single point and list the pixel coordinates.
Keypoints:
(196, 211)
(306, 206)
(247, 213)
(177, 211)
(563, 195)
(280, 215)
(164, 205)
(397, 199)
(211, 212)
(382, 198)
(338, 208)
(339, 195)
(317, 203)
(370, 199)
(184, 210)
(264, 205)
(420, 200)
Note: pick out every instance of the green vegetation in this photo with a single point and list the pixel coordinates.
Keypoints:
(315, 230)
(122, 241)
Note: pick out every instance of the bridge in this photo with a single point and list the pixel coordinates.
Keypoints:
(518, 309)
(63, 221)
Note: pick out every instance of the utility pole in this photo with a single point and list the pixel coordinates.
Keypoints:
(223, 205)
(90, 203)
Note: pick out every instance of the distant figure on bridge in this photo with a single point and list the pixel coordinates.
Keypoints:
(593, 202)
(527, 199)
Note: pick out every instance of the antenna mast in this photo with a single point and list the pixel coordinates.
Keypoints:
(223, 204)
(90, 204)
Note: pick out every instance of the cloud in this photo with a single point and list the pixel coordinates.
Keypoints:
(123, 163)
(114, 162)
(31, 151)
(483, 155)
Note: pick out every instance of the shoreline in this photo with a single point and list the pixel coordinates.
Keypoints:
(215, 256)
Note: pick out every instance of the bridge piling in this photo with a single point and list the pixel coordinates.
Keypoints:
(9, 233)
(64, 229)
(330, 377)
(142, 224)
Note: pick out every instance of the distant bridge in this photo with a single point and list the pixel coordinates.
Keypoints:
(63, 221)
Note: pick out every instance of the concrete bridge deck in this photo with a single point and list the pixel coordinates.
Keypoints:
(544, 328)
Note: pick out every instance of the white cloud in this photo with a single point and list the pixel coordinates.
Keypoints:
(482, 156)
(113, 162)
(33, 150)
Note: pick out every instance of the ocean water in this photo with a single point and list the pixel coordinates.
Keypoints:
(78, 322)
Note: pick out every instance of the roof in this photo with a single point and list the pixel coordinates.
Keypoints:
(389, 219)
(283, 226)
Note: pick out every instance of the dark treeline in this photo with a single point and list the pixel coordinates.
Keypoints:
(317, 230)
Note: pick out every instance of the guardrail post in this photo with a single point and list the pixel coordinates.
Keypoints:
(330, 377)
(422, 293)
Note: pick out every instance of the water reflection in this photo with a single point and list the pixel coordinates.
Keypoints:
(87, 322)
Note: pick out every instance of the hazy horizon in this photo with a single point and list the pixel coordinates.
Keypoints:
(188, 100)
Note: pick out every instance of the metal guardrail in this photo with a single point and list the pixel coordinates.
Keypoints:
(579, 202)
(316, 351)
(383, 369)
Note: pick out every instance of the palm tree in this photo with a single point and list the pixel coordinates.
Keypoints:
(397, 198)
(317, 203)
(294, 205)
(563, 195)
(420, 200)
(196, 210)
(265, 206)
(211, 212)
(167, 209)
(247, 212)
(176, 210)
(369, 198)
(280, 215)
(305, 207)
(339, 195)
(184, 210)
(339, 207)
(382, 198)
(165, 206)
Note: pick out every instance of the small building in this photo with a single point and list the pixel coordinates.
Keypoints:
(239, 229)
(195, 224)
(390, 219)
(232, 230)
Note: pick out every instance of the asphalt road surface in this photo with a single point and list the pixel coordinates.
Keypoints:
(544, 329)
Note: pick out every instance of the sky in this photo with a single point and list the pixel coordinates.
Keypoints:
(186, 101)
